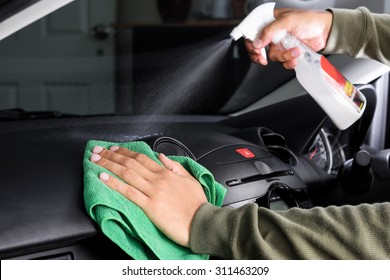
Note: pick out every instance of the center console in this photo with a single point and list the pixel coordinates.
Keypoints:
(254, 165)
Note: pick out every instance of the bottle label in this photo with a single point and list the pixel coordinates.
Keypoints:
(342, 85)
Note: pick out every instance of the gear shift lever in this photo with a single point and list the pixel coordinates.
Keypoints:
(356, 175)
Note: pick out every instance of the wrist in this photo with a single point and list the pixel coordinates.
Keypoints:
(328, 20)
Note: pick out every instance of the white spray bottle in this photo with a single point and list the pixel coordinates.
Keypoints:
(340, 99)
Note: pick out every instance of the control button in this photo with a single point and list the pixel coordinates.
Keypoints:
(234, 182)
(246, 153)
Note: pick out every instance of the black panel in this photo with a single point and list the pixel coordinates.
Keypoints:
(295, 119)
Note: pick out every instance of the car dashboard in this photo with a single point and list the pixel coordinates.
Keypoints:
(42, 209)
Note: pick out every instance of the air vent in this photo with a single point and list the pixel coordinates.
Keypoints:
(276, 144)
(171, 147)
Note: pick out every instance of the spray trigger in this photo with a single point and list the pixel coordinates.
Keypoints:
(263, 53)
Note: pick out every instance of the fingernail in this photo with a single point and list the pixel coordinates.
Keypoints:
(295, 53)
(104, 176)
(95, 158)
(97, 150)
(257, 43)
(114, 148)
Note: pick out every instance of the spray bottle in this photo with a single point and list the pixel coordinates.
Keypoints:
(340, 99)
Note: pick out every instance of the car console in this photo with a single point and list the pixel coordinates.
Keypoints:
(258, 170)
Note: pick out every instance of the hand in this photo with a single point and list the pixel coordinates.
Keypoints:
(311, 27)
(167, 194)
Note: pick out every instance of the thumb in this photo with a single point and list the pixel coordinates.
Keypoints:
(273, 28)
(268, 33)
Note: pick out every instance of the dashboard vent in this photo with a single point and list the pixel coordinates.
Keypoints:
(171, 147)
(276, 144)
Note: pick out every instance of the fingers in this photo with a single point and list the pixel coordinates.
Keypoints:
(126, 190)
(138, 170)
(141, 158)
(290, 65)
(117, 163)
(174, 166)
(255, 53)
(127, 174)
(275, 53)
(287, 57)
(282, 23)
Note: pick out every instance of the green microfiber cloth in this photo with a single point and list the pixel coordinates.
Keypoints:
(124, 222)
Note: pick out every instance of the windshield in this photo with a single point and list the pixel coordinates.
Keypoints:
(120, 57)
(132, 57)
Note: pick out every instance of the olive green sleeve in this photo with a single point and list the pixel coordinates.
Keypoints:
(361, 34)
(252, 232)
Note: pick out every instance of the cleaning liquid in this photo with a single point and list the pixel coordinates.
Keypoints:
(340, 99)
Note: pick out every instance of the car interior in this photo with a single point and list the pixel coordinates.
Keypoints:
(167, 73)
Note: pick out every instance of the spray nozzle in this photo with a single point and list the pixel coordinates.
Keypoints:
(254, 22)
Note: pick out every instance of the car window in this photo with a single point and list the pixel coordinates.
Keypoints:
(100, 57)
(131, 57)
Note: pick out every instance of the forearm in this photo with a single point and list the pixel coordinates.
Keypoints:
(348, 232)
(359, 33)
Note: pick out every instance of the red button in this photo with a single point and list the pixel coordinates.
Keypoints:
(246, 153)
